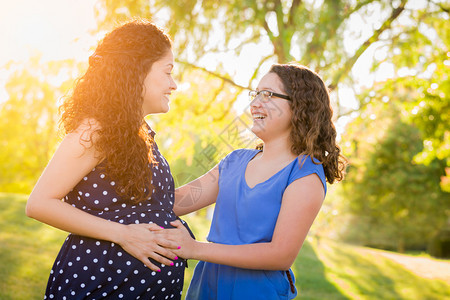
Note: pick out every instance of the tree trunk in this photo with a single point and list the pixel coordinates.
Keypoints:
(401, 245)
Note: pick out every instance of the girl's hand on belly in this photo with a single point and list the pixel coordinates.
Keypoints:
(179, 236)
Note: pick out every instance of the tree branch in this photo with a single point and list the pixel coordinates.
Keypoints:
(266, 27)
(375, 37)
(358, 6)
(257, 68)
(442, 7)
(210, 102)
(292, 11)
(228, 80)
(227, 110)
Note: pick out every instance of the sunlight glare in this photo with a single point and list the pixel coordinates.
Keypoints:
(49, 27)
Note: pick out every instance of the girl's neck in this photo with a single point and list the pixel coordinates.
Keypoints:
(277, 150)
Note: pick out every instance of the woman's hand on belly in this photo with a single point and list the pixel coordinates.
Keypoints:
(142, 242)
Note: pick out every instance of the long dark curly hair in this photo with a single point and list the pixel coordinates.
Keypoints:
(110, 92)
(313, 132)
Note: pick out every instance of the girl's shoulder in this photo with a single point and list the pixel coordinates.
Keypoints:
(308, 162)
(237, 157)
(306, 165)
(241, 154)
(244, 152)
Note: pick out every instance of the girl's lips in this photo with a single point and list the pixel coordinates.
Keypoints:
(258, 117)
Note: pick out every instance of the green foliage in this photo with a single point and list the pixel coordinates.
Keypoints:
(404, 120)
(303, 31)
(323, 269)
(28, 121)
(396, 202)
(422, 58)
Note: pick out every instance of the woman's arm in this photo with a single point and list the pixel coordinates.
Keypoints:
(70, 163)
(198, 193)
(301, 203)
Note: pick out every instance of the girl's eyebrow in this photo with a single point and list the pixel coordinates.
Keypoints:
(265, 89)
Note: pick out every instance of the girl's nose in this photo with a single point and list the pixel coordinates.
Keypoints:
(255, 102)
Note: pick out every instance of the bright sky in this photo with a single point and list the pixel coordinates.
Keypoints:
(57, 29)
(51, 27)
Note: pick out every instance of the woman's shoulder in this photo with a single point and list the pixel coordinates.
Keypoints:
(88, 124)
(86, 131)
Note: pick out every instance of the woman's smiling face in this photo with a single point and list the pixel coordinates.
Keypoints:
(158, 85)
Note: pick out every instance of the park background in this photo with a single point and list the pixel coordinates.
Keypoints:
(383, 233)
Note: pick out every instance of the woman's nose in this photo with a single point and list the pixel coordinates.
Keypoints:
(173, 85)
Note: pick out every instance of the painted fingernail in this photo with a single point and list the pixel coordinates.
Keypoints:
(161, 227)
(171, 263)
(159, 270)
(176, 257)
(179, 247)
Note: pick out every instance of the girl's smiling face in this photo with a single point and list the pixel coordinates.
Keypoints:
(271, 117)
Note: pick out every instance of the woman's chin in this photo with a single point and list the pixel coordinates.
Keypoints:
(161, 110)
(165, 109)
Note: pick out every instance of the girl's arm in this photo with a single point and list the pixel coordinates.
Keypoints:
(300, 204)
(198, 193)
(70, 163)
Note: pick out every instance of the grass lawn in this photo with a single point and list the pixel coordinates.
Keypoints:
(324, 269)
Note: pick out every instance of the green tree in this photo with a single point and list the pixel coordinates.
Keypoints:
(421, 84)
(396, 203)
(329, 36)
(418, 92)
(28, 121)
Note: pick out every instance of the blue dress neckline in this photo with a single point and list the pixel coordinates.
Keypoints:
(268, 179)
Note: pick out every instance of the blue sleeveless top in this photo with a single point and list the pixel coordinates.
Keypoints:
(245, 215)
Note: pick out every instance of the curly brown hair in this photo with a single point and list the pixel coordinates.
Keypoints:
(313, 132)
(110, 92)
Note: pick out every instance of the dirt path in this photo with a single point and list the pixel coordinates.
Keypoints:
(421, 266)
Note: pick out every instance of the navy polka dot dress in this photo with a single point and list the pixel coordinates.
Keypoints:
(87, 268)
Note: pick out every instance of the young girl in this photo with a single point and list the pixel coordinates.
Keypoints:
(114, 182)
(266, 198)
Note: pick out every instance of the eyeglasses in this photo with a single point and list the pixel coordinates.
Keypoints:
(266, 95)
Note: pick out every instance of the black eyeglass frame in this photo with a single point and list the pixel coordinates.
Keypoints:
(253, 94)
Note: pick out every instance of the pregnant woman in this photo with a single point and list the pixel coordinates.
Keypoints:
(114, 182)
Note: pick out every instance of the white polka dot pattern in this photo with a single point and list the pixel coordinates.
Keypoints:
(86, 268)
